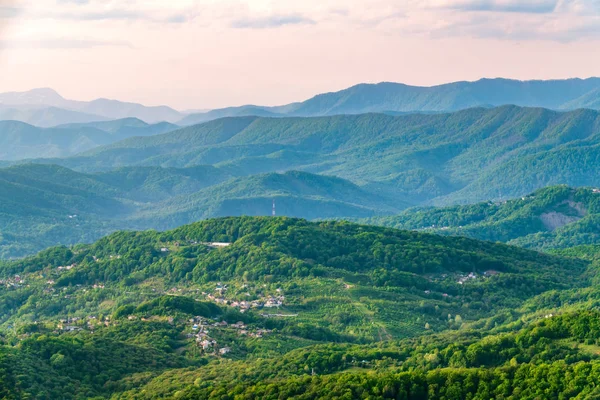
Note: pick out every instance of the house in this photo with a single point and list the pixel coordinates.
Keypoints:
(207, 344)
(219, 244)
(224, 350)
(272, 302)
(164, 250)
(71, 328)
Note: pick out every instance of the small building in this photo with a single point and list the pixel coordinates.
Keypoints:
(224, 350)
(219, 244)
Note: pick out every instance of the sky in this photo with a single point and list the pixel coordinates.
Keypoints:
(199, 54)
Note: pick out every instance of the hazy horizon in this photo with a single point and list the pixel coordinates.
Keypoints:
(282, 104)
(202, 54)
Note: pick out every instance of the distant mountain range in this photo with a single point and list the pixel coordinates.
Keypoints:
(19, 140)
(128, 174)
(462, 157)
(45, 107)
(394, 98)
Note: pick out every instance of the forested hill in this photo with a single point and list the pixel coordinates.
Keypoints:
(45, 205)
(553, 217)
(272, 307)
(23, 141)
(567, 94)
(467, 156)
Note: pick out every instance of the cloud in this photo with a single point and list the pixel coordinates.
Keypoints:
(556, 27)
(122, 15)
(8, 12)
(87, 10)
(272, 21)
(550, 20)
(74, 2)
(514, 6)
(61, 43)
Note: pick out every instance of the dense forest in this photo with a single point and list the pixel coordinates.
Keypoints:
(553, 217)
(48, 205)
(257, 307)
(366, 166)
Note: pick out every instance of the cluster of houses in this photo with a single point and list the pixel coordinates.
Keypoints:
(465, 278)
(200, 331)
(66, 267)
(15, 281)
(243, 305)
(76, 324)
(215, 245)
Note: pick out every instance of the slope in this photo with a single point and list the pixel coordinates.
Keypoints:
(364, 310)
(44, 205)
(466, 156)
(296, 194)
(23, 141)
(553, 217)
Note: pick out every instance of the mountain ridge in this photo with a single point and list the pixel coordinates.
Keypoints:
(395, 97)
(20, 140)
(436, 159)
(45, 99)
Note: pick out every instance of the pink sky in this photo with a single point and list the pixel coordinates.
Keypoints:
(193, 54)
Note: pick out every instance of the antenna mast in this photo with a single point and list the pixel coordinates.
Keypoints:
(274, 212)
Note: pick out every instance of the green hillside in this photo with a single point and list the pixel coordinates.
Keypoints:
(298, 194)
(22, 141)
(467, 156)
(292, 307)
(554, 217)
(45, 205)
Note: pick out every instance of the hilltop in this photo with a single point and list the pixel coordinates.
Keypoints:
(45, 205)
(389, 97)
(553, 217)
(45, 107)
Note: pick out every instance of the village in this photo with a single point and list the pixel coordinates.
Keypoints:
(211, 337)
(201, 328)
(274, 301)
